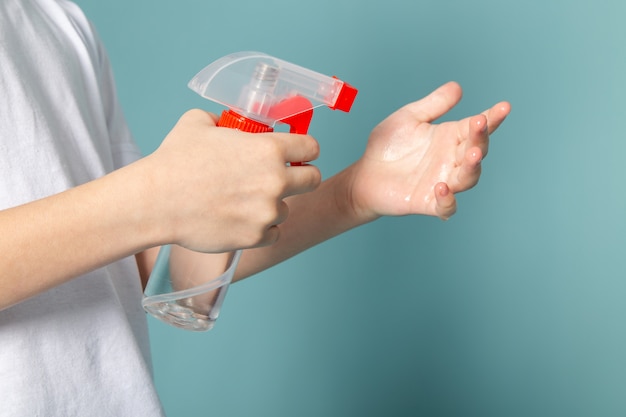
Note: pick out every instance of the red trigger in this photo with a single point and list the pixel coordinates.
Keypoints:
(296, 111)
(301, 111)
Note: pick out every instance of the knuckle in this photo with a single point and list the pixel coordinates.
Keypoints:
(196, 116)
(275, 183)
(192, 114)
(265, 214)
(270, 147)
(261, 237)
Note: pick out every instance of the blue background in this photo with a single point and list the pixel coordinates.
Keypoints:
(515, 307)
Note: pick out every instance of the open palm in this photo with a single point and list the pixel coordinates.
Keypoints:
(412, 166)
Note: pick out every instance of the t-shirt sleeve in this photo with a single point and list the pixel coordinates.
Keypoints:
(123, 146)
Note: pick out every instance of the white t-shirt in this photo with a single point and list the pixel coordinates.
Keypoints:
(80, 349)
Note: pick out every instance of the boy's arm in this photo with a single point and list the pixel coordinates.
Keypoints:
(49, 241)
(410, 166)
(156, 201)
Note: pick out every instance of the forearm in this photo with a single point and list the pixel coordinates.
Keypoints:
(313, 218)
(50, 241)
(183, 193)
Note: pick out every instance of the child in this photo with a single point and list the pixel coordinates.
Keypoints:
(82, 214)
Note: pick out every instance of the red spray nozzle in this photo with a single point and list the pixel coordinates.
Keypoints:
(346, 97)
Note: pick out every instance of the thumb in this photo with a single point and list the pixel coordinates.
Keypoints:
(435, 104)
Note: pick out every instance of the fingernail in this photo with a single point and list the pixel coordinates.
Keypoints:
(477, 157)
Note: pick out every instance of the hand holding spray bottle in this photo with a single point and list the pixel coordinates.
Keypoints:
(186, 289)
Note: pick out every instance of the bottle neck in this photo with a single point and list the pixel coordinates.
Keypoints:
(234, 120)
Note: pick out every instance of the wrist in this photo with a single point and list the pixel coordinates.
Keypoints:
(146, 202)
(348, 197)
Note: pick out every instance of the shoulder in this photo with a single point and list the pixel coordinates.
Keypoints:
(79, 25)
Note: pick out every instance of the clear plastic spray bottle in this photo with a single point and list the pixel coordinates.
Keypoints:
(186, 289)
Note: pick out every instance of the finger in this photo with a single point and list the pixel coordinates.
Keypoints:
(302, 179)
(496, 115)
(296, 148)
(446, 202)
(473, 132)
(436, 104)
(470, 170)
(479, 133)
(270, 237)
(282, 214)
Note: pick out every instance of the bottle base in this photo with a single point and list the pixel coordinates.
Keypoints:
(179, 315)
